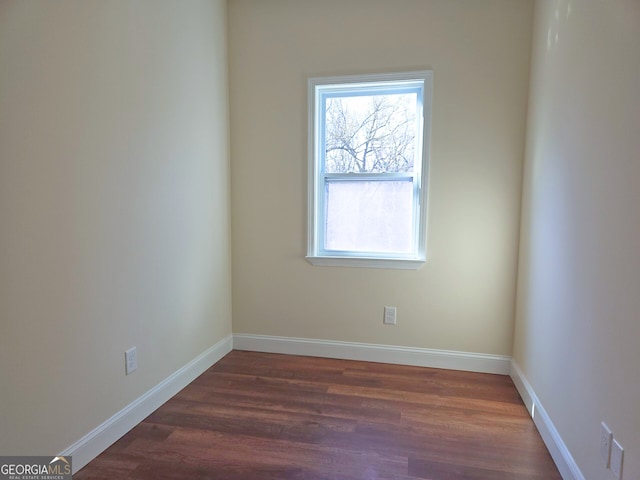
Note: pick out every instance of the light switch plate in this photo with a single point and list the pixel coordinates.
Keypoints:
(617, 456)
(606, 437)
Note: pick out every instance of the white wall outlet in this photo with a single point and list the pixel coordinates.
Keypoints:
(131, 360)
(389, 315)
(617, 455)
(606, 437)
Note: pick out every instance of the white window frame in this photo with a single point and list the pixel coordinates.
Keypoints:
(320, 87)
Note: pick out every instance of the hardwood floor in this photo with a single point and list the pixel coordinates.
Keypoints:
(258, 416)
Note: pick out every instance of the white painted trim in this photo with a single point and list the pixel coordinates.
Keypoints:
(398, 263)
(423, 357)
(104, 435)
(557, 448)
(422, 80)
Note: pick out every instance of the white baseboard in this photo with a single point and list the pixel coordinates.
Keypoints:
(557, 448)
(423, 357)
(104, 435)
(100, 438)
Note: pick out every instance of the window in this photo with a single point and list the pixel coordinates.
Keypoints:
(368, 159)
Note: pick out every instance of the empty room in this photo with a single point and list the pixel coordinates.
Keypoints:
(320, 239)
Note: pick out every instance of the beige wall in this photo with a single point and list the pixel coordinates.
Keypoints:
(113, 206)
(578, 321)
(463, 298)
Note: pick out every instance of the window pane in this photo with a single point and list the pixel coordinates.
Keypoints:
(370, 133)
(369, 216)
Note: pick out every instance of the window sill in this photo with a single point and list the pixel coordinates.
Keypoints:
(364, 262)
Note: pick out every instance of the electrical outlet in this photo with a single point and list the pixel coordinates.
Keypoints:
(131, 360)
(617, 455)
(389, 315)
(606, 437)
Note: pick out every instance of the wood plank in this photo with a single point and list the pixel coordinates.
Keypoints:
(266, 416)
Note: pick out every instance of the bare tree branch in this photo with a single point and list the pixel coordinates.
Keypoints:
(370, 134)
